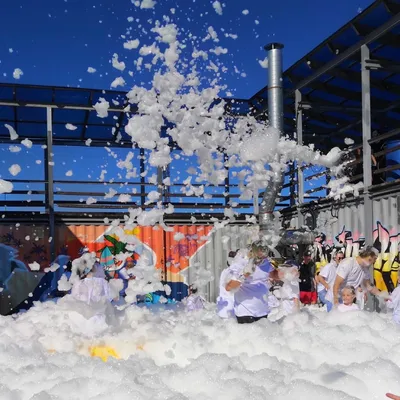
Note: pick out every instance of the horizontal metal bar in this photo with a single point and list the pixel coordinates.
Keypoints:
(315, 106)
(386, 169)
(318, 189)
(388, 150)
(315, 175)
(43, 121)
(382, 64)
(60, 106)
(387, 135)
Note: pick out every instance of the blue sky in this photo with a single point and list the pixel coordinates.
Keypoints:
(55, 41)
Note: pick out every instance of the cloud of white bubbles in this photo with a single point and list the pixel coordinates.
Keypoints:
(194, 117)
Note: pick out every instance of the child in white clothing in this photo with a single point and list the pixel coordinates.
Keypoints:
(194, 302)
(348, 297)
(285, 298)
(393, 302)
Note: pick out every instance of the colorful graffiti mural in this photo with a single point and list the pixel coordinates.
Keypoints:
(386, 242)
(31, 243)
(171, 251)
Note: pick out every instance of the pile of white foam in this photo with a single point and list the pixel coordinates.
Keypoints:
(172, 354)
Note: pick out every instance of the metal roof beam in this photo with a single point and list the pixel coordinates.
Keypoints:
(388, 38)
(351, 51)
(392, 7)
(354, 76)
(373, 114)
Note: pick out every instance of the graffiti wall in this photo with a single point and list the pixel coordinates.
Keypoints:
(344, 228)
(385, 241)
(171, 252)
(30, 242)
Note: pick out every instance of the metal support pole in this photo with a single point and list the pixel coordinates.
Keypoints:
(366, 131)
(142, 178)
(49, 178)
(160, 184)
(367, 165)
(300, 175)
(292, 187)
(226, 183)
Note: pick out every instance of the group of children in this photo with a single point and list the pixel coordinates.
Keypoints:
(252, 287)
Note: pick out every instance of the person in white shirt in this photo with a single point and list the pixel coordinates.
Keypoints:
(348, 297)
(226, 300)
(249, 282)
(393, 302)
(354, 271)
(326, 279)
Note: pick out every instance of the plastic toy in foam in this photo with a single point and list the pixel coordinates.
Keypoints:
(103, 352)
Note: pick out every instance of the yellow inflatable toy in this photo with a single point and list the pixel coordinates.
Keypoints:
(103, 352)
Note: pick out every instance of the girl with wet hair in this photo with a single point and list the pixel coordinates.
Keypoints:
(348, 297)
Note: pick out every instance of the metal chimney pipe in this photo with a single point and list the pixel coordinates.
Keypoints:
(275, 117)
(275, 88)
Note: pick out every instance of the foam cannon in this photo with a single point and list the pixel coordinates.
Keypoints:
(274, 186)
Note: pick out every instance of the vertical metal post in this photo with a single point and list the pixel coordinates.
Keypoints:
(160, 184)
(49, 178)
(142, 178)
(292, 186)
(366, 136)
(367, 164)
(226, 183)
(300, 175)
(167, 188)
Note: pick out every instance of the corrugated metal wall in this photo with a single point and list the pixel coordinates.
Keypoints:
(213, 256)
(344, 226)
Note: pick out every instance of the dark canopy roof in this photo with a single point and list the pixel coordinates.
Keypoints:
(329, 78)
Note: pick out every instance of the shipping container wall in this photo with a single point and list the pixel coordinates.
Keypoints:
(184, 255)
(344, 227)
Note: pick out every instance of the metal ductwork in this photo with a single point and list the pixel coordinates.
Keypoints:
(300, 237)
(275, 117)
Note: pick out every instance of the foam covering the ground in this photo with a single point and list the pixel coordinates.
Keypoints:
(172, 354)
